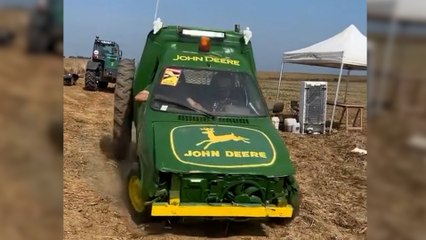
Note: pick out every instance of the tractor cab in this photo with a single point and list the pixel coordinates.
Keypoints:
(213, 92)
(105, 50)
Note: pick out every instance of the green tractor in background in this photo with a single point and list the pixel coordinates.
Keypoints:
(205, 142)
(45, 28)
(103, 66)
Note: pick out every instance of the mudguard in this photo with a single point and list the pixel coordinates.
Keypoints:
(93, 66)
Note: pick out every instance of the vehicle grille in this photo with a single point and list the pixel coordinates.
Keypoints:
(190, 118)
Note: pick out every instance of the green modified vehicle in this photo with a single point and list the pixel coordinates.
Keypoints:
(205, 142)
(102, 68)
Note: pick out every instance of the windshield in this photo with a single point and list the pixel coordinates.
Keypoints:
(106, 49)
(209, 92)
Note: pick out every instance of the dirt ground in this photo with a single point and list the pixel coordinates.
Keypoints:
(332, 181)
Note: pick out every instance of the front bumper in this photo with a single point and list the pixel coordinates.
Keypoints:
(110, 76)
(220, 210)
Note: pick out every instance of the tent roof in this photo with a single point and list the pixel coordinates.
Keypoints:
(349, 45)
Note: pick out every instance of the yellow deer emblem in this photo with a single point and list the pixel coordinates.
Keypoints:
(219, 138)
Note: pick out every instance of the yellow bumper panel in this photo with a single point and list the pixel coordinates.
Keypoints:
(204, 210)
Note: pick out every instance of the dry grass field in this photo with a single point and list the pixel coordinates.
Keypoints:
(75, 65)
(332, 180)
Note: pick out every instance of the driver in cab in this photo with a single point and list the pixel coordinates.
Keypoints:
(220, 94)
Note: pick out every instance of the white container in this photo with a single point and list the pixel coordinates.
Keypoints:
(276, 122)
(289, 124)
(296, 128)
(312, 107)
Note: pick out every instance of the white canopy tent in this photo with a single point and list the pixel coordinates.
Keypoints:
(345, 50)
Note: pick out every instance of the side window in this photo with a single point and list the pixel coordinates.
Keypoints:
(154, 73)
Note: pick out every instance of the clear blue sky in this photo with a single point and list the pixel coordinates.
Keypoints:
(277, 25)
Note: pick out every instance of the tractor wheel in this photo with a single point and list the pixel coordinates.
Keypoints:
(123, 107)
(90, 83)
(293, 199)
(37, 38)
(103, 85)
(136, 197)
(37, 42)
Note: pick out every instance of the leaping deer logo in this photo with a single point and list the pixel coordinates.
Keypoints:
(219, 138)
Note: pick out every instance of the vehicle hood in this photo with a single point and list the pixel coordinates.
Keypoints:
(221, 149)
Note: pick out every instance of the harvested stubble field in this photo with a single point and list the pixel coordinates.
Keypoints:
(332, 180)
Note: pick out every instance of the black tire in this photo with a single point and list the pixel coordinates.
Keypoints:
(38, 38)
(102, 85)
(38, 42)
(138, 215)
(293, 199)
(90, 81)
(6, 37)
(123, 107)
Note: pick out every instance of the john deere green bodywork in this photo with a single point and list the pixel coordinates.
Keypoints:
(169, 48)
(203, 157)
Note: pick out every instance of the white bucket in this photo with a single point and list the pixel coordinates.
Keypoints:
(276, 122)
(289, 124)
(296, 128)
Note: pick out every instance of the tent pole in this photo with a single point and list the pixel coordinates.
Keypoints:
(347, 83)
(279, 82)
(335, 98)
(383, 79)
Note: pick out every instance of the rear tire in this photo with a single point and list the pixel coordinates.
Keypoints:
(123, 108)
(90, 81)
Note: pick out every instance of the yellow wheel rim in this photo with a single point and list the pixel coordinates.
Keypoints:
(134, 191)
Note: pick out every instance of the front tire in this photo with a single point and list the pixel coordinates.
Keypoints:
(123, 108)
(136, 198)
(293, 199)
(90, 81)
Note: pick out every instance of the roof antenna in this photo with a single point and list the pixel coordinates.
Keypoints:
(157, 21)
(156, 9)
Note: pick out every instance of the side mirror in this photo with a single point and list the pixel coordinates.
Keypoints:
(278, 107)
(121, 53)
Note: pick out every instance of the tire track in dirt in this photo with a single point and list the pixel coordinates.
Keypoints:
(92, 205)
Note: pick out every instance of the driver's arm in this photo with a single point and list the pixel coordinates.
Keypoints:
(195, 104)
(143, 95)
